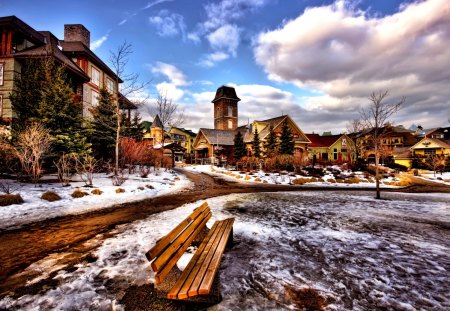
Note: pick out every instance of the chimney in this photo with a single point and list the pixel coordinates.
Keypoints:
(77, 32)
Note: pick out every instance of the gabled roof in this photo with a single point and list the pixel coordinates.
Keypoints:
(442, 143)
(157, 123)
(221, 137)
(73, 48)
(31, 34)
(51, 49)
(225, 92)
(189, 132)
(125, 103)
(318, 141)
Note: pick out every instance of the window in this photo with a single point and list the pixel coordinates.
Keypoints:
(1, 73)
(230, 124)
(230, 111)
(335, 154)
(94, 98)
(110, 85)
(95, 76)
(430, 151)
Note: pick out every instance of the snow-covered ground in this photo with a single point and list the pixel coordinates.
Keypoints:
(443, 178)
(354, 179)
(136, 188)
(358, 252)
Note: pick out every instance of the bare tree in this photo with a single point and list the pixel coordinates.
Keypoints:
(355, 128)
(169, 112)
(130, 86)
(33, 143)
(374, 118)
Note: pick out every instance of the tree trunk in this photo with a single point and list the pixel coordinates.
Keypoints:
(116, 166)
(377, 176)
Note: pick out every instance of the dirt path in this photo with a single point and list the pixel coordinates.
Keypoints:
(78, 235)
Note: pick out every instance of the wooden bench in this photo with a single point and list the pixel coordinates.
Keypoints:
(200, 273)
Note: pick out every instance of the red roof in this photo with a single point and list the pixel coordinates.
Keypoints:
(321, 141)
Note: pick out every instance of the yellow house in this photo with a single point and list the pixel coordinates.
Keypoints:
(184, 137)
(334, 148)
(301, 141)
(431, 146)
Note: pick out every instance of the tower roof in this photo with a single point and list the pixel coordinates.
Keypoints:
(157, 122)
(225, 92)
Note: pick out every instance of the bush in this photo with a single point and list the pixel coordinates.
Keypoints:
(149, 187)
(50, 196)
(141, 188)
(97, 191)
(79, 194)
(120, 190)
(299, 181)
(10, 199)
(257, 179)
(247, 177)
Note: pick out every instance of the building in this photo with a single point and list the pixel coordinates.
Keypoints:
(184, 138)
(86, 71)
(331, 148)
(435, 142)
(219, 142)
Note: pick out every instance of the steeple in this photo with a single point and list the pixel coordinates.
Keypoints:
(225, 108)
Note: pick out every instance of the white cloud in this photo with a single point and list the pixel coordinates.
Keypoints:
(226, 37)
(170, 91)
(153, 3)
(210, 60)
(168, 24)
(175, 75)
(98, 43)
(346, 54)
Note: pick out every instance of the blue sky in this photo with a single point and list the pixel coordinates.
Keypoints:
(315, 60)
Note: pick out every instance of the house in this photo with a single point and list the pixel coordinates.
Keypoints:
(219, 142)
(393, 140)
(435, 142)
(20, 42)
(185, 138)
(331, 148)
(86, 71)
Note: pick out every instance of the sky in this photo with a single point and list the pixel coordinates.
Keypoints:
(316, 60)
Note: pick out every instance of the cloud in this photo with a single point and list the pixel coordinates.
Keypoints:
(175, 75)
(98, 43)
(168, 24)
(346, 54)
(153, 3)
(210, 60)
(170, 91)
(260, 102)
(226, 37)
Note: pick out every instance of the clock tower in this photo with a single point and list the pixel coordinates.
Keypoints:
(225, 108)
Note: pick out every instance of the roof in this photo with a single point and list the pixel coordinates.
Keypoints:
(318, 141)
(157, 122)
(225, 92)
(51, 48)
(189, 132)
(32, 35)
(221, 137)
(273, 121)
(125, 103)
(439, 142)
(73, 48)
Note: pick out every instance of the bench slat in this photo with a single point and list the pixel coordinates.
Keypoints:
(180, 251)
(203, 265)
(173, 246)
(162, 244)
(179, 289)
(208, 279)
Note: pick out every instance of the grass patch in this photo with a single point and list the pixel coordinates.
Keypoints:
(50, 196)
(257, 179)
(247, 177)
(79, 194)
(306, 299)
(97, 191)
(120, 190)
(10, 199)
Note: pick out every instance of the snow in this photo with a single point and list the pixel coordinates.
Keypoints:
(36, 209)
(358, 252)
(284, 178)
(443, 178)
